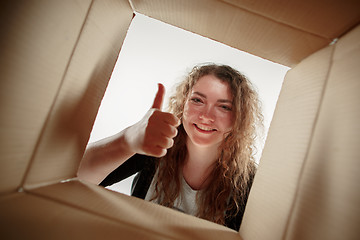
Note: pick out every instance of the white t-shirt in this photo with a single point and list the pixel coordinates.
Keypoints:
(186, 202)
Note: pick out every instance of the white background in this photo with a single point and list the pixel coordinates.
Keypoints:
(156, 52)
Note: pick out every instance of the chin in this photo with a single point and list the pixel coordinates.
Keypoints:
(205, 142)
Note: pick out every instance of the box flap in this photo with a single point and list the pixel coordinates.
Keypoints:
(274, 189)
(75, 209)
(67, 130)
(269, 30)
(53, 78)
(328, 19)
(32, 65)
(329, 189)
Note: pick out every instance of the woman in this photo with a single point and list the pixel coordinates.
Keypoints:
(198, 157)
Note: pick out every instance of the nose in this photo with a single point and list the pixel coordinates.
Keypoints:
(207, 114)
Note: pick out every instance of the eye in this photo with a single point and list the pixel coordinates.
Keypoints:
(226, 107)
(196, 100)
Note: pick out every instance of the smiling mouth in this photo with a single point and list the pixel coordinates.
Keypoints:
(204, 129)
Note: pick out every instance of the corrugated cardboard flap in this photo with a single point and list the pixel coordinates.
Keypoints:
(76, 209)
(282, 31)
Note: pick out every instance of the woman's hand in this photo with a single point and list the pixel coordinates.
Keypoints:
(154, 133)
(152, 136)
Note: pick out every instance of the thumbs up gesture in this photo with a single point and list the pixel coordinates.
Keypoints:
(154, 133)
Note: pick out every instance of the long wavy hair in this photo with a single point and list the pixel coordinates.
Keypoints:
(235, 164)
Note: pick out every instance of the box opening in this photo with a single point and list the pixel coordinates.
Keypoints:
(155, 52)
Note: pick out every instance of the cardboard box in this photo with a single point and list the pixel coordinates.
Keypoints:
(57, 58)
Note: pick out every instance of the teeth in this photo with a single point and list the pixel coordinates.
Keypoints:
(204, 128)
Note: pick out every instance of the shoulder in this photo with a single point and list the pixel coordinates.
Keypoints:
(143, 179)
(234, 221)
(135, 164)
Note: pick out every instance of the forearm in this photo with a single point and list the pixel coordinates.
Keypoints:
(104, 156)
(151, 136)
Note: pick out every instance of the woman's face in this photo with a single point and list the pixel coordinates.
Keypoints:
(208, 114)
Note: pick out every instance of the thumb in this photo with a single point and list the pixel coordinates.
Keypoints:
(158, 101)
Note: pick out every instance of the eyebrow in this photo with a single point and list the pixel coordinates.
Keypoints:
(220, 100)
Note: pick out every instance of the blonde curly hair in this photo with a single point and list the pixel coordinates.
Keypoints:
(235, 165)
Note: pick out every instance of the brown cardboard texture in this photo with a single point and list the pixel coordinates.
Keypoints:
(281, 31)
(55, 63)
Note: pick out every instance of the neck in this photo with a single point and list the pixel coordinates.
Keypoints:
(198, 165)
